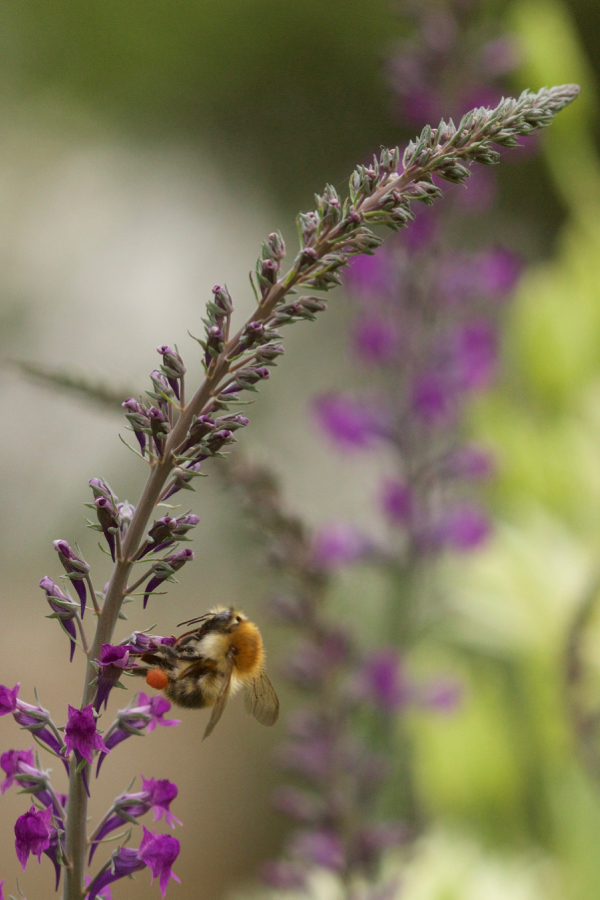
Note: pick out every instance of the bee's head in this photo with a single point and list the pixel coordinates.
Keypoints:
(223, 619)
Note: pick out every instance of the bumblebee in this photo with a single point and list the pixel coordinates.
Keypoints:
(210, 663)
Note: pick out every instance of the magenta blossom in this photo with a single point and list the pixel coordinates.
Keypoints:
(81, 735)
(8, 699)
(32, 834)
(10, 761)
(375, 339)
(33, 718)
(159, 852)
(382, 681)
(464, 526)
(351, 424)
(397, 501)
(319, 848)
(337, 544)
(160, 795)
(149, 713)
(110, 667)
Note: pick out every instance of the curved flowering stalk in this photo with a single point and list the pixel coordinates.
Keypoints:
(176, 434)
(342, 803)
(426, 331)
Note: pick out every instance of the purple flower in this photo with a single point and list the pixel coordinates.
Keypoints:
(432, 398)
(337, 544)
(81, 735)
(149, 713)
(319, 848)
(32, 834)
(375, 339)
(139, 421)
(164, 570)
(463, 527)
(160, 795)
(124, 861)
(172, 366)
(283, 875)
(110, 666)
(397, 501)
(476, 354)
(156, 795)
(299, 805)
(108, 520)
(369, 276)
(423, 231)
(159, 852)
(499, 56)
(479, 192)
(76, 569)
(469, 462)
(104, 893)
(62, 608)
(382, 681)
(34, 718)
(499, 271)
(349, 423)
(8, 699)
(10, 761)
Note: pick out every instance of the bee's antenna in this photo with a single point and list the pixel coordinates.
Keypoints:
(193, 621)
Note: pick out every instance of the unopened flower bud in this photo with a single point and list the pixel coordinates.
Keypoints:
(76, 570)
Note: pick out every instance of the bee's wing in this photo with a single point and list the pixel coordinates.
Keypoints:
(221, 700)
(261, 700)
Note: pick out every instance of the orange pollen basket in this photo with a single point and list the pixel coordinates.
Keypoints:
(157, 679)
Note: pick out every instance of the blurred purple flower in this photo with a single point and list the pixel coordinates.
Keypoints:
(397, 501)
(463, 527)
(350, 423)
(499, 271)
(375, 339)
(479, 191)
(318, 848)
(475, 354)
(433, 398)
(381, 680)
(283, 875)
(499, 56)
(367, 276)
(338, 544)
(421, 233)
(468, 461)
(297, 804)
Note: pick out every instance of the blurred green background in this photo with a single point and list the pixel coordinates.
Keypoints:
(146, 150)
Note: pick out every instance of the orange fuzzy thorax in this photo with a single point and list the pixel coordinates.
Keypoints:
(249, 653)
